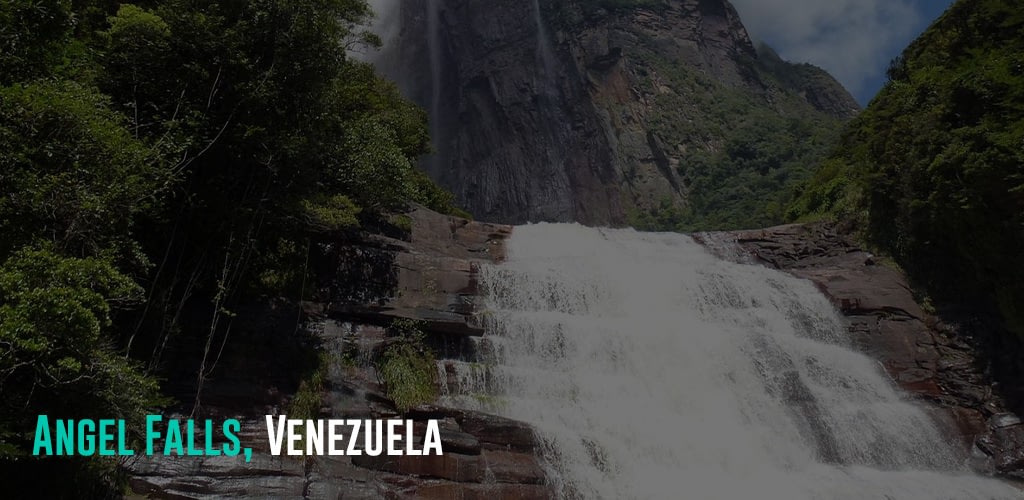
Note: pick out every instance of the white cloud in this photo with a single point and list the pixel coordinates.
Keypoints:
(852, 39)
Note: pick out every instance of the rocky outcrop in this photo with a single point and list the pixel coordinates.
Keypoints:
(427, 276)
(560, 110)
(943, 363)
(811, 83)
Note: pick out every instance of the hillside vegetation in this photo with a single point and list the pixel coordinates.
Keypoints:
(745, 151)
(732, 127)
(170, 156)
(933, 170)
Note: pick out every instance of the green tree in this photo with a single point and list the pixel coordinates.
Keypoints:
(169, 156)
(33, 37)
(72, 174)
(57, 357)
(932, 169)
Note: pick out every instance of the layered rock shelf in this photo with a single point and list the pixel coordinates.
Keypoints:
(429, 276)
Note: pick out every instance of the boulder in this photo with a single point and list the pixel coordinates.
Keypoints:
(511, 467)
(451, 466)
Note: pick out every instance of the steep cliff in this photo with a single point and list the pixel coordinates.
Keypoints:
(657, 113)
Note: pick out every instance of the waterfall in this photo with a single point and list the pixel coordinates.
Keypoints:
(652, 369)
(434, 51)
(400, 46)
(544, 53)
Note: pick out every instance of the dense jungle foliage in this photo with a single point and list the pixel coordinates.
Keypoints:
(745, 152)
(167, 153)
(933, 169)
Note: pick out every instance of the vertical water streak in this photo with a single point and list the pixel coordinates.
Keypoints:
(545, 54)
(434, 50)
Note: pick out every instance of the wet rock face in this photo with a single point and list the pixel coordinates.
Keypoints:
(1005, 444)
(547, 115)
(516, 141)
(938, 361)
(430, 278)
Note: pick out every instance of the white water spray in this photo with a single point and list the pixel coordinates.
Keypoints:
(652, 369)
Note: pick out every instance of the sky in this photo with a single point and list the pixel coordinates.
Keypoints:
(854, 40)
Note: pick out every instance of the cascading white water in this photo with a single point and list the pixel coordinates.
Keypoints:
(652, 369)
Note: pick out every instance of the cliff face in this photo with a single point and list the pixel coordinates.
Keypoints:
(566, 111)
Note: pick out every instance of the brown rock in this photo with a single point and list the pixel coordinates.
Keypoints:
(456, 441)
(491, 430)
(450, 466)
(499, 432)
(483, 492)
(510, 467)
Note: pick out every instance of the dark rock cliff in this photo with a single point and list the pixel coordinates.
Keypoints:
(566, 111)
